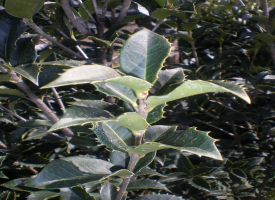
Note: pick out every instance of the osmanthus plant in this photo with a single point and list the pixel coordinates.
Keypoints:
(144, 90)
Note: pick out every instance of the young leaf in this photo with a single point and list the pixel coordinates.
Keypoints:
(74, 171)
(76, 193)
(190, 140)
(23, 8)
(190, 88)
(83, 74)
(146, 184)
(143, 54)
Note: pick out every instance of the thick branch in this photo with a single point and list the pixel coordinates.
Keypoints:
(77, 22)
(35, 99)
(124, 7)
(45, 35)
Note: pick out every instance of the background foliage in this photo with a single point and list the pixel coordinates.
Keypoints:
(211, 40)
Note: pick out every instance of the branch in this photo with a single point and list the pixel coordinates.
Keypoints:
(86, 10)
(104, 8)
(35, 99)
(12, 113)
(77, 22)
(267, 27)
(41, 32)
(124, 7)
(58, 99)
(157, 25)
(95, 8)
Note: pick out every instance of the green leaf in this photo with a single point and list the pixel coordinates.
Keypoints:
(161, 2)
(106, 43)
(153, 132)
(189, 26)
(143, 54)
(261, 19)
(119, 158)
(136, 84)
(18, 184)
(83, 74)
(190, 88)
(7, 91)
(6, 195)
(36, 123)
(11, 29)
(190, 140)
(148, 171)
(74, 171)
(156, 114)
(5, 77)
(113, 135)
(24, 52)
(144, 161)
(166, 78)
(184, 37)
(83, 141)
(265, 37)
(108, 191)
(159, 197)
(42, 195)
(202, 170)
(23, 8)
(146, 184)
(119, 91)
(75, 193)
(89, 7)
(36, 134)
(29, 71)
(200, 183)
(2, 175)
(162, 13)
(184, 164)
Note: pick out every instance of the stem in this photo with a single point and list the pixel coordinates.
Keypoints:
(86, 10)
(12, 113)
(157, 25)
(267, 27)
(124, 7)
(195, 53)
(35, 99)
(95, 8)
(58, 99)
(236, 135)
(45, 35)
(77, 22)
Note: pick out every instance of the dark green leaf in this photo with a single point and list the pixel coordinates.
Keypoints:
(108, 191)
(75, 193)
(7, 91)
(159, 197)
(83, 141)
(156, 114)
(200, 183)
(146, 184)
(144, 161)
(265, 37)
(42, 195)
(153, 132)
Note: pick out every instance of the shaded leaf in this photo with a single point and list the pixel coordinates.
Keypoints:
(144, 161)
(156, 114)
(146, 184)
(143, 54)
(29, 71)
(42, 195)
(265, 37)
(153, 132)
(5, 77)
(75, 193)
(19, 184)
(119, 159)
(108, 191)
(7, 91)
(83, 141)
(200, 183)
(162, 13)
(159, 197)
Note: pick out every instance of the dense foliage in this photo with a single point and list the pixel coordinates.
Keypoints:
(134, 117)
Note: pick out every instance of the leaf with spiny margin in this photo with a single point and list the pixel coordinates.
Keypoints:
(109, 192)
(200, 183)
(113, 135)
(74, 171)
(11, 29)
(8, 91)
(190, 140)
(159, 197)
(166, 78)
(77, 115)
(42, 195)
(153, 132)
(83, 141)
(36, 134)
(23, 8)
(184, 164)
(25, 52)
(156, 114)
(146, 184)
(144, 161)
(190, 88)
(120, 91)
(29, 71)
(75, 193)
(83, 74)
(148, 171)
(143, 54)
(5, 77)
(136, 84)
(162, 13)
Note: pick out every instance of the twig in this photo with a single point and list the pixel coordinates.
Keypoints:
(45, 35)
(220, 129)
(157, 25)
(48, 103)
(243, 5)
(104, 8)
(113, 61)
(45, 17)
(95, 8)
(12, 113)
(267, 27)
(77, 22)
(195, 52)
(35, 99)
(124, 7)
(2, 145)
(236, 135)
(86, 10)
(58, 99)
